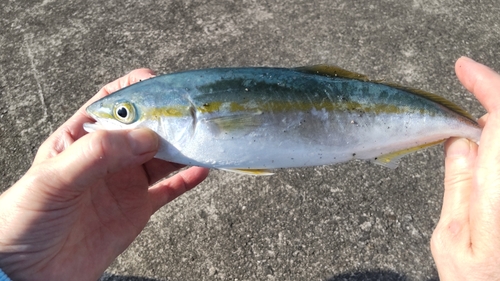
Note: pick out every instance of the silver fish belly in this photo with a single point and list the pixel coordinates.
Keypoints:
(254, 119)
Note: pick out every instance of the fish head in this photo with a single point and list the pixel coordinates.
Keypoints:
(147, 104)
(123, 109)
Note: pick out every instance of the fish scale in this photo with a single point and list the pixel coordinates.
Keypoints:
(251, 120)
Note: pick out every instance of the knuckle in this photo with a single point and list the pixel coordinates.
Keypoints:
(437, 240)
(447, 233)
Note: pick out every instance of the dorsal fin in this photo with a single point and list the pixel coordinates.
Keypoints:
(335, 71)
(332, 71)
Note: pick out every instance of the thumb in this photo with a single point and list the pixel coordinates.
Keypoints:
(97, 154)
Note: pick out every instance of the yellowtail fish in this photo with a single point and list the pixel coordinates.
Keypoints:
(251, 120)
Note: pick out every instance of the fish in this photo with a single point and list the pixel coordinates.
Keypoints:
(252, 120)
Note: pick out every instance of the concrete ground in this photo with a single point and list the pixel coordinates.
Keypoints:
(354, 221)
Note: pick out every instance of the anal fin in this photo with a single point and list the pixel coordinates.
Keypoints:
(251, 172)
(391, 160)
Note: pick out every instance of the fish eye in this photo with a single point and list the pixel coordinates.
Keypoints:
(124, 112)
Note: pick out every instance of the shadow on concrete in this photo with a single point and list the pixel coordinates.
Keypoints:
(113, 277)
(377, 275)
(382, 275)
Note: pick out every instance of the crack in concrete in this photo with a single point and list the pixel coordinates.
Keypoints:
(36, 75)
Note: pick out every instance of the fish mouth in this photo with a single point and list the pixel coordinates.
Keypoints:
(92, 127)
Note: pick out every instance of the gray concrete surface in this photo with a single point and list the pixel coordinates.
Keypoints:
(354, 221)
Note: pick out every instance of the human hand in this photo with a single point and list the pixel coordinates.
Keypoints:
(466, 242)
(85, 198)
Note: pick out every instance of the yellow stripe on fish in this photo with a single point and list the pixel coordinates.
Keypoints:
(277, 106)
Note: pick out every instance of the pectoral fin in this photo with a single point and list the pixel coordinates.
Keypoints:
(242, 122)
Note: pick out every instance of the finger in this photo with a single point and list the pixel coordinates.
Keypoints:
(171, 188)
(72, 129)
(480, 80)
(157, 169)
(95, 155)
(460, 159)
(453, 229)
(482, 121)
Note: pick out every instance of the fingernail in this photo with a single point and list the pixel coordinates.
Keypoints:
(142, 141)
(459, 147)
(468, 59)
